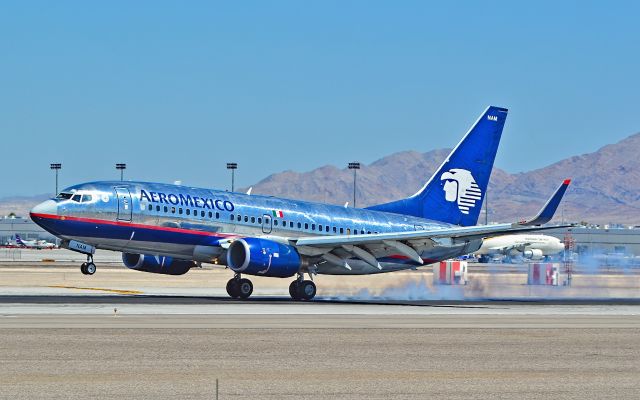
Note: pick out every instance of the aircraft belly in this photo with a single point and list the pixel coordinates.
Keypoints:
(140, 247)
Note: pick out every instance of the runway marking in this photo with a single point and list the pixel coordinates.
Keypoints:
(118, 291)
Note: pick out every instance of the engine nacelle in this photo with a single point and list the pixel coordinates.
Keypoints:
(263, 257)
(156, 264)
(533, 254)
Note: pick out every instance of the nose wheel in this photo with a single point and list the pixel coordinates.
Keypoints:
(239, 288)
(88, 268)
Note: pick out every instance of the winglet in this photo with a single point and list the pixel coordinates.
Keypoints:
(550, 207)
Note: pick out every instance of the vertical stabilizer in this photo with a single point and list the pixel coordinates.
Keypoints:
(455, 192)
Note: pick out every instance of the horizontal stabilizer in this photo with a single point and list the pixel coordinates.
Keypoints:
(546, 214)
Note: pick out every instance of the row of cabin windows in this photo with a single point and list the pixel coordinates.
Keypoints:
(253, 220)
(187, 211)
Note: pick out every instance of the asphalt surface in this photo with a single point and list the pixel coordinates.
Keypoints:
(125, 335)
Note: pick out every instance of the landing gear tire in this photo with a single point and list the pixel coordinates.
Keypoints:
(307, 290)
(293, 290)
(83, 268)
(302, 290)
(90, 268)
(245, 288)
(233, 288)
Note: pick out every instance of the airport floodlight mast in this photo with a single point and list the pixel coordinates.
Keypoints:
(56, 167)
(355, 166)
(121, 167)
(233, 166)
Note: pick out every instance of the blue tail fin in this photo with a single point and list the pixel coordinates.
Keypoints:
(19, 239)
(455, 192)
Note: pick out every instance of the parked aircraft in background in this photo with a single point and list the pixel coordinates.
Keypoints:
(34, 244)
(530, 246)
(168, 229)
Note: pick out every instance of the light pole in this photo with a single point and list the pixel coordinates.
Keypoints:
(355, 166)
(57, 167)
(232, 166)
(121, 167)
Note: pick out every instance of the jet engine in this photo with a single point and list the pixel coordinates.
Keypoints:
(533, 254)
(263, 257)
(156, 264)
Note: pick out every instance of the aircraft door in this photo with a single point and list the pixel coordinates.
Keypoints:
(267, 223)
(125, 208)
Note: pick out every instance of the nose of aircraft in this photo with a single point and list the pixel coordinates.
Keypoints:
(48, 207)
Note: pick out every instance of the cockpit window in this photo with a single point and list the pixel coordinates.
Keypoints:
(86, 198)
(64, 196)
(76, 198)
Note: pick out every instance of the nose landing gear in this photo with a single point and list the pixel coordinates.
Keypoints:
(88, 268)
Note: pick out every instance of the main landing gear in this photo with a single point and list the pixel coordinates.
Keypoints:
(239, 288)
(88, 268)
(301, 289)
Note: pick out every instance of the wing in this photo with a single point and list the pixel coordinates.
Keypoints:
(371, 247)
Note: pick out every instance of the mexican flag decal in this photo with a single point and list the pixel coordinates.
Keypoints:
(277, 214)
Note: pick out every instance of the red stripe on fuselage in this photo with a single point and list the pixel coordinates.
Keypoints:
(129, 224)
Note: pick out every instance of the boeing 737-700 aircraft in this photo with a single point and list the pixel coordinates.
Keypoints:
(168, 229)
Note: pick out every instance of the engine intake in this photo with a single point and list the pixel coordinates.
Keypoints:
(263, 257)
(156, 264)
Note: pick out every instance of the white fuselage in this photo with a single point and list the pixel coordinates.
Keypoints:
(515, 244)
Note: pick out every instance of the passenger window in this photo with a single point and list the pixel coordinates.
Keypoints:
(313, 227)
(239, 218)
(210, 214)
(246, 218)
(284, 223)
(180, 210)
(232, 217)
(368, 232)
(173, 210)
(362, 231)
(320, 228)
(158, 208)
(306, 225)
(355, 231)
(253, 220)
(188, 211)
(217, 215)
(275, 222)
(260, 220)
(299, 225)
(334, 229)
(348, 231)
(150, 207)
(290, 224)
(326, 228)
(341, 231)
(165, 209)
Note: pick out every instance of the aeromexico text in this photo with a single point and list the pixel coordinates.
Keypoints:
(186, 200)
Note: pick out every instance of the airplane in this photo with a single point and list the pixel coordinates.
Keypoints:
(34, 244)
(533, 247)
(169, 229)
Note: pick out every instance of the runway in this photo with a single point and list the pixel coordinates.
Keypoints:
(121, 334)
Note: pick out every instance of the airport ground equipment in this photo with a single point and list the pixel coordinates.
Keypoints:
(450, 272)
(543, 274)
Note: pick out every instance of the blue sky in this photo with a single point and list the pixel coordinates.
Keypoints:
(177, 89)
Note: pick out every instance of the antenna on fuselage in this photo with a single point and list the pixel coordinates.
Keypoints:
(249, 191)
(346, 204)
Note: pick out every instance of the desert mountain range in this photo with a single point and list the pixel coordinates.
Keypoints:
(605, 185)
